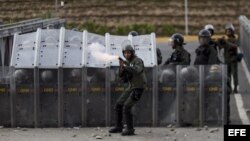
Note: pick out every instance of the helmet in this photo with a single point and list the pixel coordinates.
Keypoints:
(210, 28)
(75, 75)
(127, 46)
(133, 33)
(189, 74)
(47, 76)
(204, 37)
(177, 38)
(20, 75)
(204, 33)
(214, 73)
(230, 26)
(74, 29)
(167, 75)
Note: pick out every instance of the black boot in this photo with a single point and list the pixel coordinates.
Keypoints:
(129, 121)
(118, 117)
(115, 129)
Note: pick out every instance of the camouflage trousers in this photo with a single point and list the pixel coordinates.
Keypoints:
(130, 97)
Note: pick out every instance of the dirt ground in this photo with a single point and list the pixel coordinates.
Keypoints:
(93, 134)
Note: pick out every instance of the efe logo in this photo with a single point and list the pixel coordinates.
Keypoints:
(237, 132)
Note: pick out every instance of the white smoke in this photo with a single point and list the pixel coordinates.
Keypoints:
(98, 52)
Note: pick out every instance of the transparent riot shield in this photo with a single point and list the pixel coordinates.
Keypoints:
(166, 96)
(72, 78)
(72, 97)
(49, 74)
(5, 108)
(214, 95)
(23, 97)
(23, 82)
(188, 90)
(95, 97)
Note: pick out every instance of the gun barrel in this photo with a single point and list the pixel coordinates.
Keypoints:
(120, 59)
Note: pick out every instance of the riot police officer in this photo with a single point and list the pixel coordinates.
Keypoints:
(212, 41)
(180, 56)
(158, 51)
(133, 33)
(133, 71)
(210, 28)
(231, 55)
(205, 53)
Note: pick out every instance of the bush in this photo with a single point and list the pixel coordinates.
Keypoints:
(168, 30)
(162, 30)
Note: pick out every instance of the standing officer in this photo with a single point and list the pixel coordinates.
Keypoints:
(205, 53)
(158, 51)
(213, 42)
(180, 56)
(231, 55)
(131, 70)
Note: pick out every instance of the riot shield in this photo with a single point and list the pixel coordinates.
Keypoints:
(95, 96)
(188, 89)
(72, 78)
(214, 94)
(49, 105)
(23, 82)
(166, 96)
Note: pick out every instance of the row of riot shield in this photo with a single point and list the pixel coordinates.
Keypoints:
(195, 98)
(184, 96)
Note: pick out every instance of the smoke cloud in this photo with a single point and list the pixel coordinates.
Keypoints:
(98, 52)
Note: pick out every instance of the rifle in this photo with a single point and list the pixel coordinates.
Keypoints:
(126, 76)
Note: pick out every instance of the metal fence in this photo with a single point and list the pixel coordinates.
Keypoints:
(245, 38)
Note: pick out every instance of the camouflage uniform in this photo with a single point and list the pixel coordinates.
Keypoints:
(137, 81)
(230, 55)
(179, 57)
(133, 73)
(206, 55)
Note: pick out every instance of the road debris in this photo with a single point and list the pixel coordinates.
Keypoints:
(98, 137)
(214, 130)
